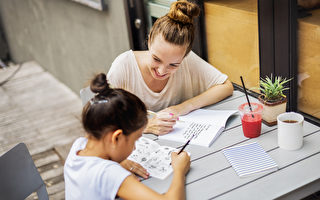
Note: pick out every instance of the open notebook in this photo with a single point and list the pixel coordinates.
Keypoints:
(205, 125)
(154, 158)
(249, 159)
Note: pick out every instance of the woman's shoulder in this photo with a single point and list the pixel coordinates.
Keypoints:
(192, 60)
(193, 57)
(123, 64)
(124, 57)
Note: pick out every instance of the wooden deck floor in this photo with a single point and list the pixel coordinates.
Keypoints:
(37, 109)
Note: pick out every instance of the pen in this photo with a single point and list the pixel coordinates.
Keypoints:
(185, 145)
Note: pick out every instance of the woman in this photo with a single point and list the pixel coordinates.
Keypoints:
(170, 78)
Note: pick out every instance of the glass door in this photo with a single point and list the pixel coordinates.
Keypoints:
(308, 51)
(233, 39)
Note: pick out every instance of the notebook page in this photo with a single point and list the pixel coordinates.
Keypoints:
(207, 125)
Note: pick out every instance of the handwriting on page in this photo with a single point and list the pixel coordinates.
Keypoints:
(195, 129)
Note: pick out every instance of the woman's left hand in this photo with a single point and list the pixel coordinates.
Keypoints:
(135, 168)
(176, 110)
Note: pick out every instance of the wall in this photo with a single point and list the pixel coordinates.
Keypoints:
(68, 39)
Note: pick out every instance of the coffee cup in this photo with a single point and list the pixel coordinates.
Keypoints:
(290, 130)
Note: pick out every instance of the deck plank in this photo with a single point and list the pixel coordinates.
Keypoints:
(37, 109)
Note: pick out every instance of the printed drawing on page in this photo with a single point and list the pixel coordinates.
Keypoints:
(154, 158)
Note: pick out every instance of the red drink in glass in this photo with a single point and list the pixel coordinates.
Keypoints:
(251, 120)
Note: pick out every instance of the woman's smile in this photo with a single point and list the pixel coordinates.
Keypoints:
(158, 74)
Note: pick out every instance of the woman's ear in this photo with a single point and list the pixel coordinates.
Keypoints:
(116, 135)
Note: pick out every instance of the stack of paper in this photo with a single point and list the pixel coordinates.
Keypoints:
(249, 159)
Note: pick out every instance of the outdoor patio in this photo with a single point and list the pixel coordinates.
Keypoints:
(37, 109)
(43, 113)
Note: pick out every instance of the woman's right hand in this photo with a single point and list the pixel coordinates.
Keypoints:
(161, 124)
(180, 162)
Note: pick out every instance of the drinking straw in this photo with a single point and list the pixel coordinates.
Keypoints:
(245, 91)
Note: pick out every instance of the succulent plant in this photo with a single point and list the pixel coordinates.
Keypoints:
(272, 89)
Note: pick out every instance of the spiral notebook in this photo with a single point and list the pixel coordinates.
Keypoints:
(249, 159)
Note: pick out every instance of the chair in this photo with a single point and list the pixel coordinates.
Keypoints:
(86, 94)
(19, 175)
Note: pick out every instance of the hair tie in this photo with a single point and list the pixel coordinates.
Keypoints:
(97, 102)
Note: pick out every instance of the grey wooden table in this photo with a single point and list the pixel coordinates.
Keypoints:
(212, 177)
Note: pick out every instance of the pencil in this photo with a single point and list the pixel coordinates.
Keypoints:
(186, 144)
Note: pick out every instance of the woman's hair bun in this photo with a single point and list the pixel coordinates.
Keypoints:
(183, 11)
(100, 84)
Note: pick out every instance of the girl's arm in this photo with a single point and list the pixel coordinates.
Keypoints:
(135, 168)
(131, 188)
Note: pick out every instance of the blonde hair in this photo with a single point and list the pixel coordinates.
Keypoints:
(177, 27)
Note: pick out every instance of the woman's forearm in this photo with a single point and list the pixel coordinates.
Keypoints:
(211, 96)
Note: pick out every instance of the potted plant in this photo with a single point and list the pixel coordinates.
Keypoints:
(272, 97)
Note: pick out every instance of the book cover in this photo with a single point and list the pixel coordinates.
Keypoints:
(154, 158)
(206, 126)
(249, 159)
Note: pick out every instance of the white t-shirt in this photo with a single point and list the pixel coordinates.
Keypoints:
(193, 77)
(88, 177)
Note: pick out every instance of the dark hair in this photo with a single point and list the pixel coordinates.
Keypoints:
(177, 26)
(112, 109)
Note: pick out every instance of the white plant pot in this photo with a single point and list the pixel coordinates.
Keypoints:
(272, 110)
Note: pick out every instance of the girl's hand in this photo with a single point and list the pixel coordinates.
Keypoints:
(135, 168)
(161, 124)
(180, 162)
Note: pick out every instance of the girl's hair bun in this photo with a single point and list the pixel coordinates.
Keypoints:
(100, 85)
(183, 11)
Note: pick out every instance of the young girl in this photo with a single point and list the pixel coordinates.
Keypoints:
(169, 77)
(114, 119)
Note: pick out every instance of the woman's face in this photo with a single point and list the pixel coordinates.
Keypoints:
(165, 58)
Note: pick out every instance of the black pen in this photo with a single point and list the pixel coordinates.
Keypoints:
(185, 145)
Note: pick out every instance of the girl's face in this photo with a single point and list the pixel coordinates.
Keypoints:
(128, 144)
(165, 58)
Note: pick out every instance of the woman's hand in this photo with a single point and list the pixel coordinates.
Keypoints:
(162, 123)
(135, 168)
(180, 162)
(180, 109)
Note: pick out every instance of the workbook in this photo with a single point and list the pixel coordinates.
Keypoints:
(206, 126)
(154, 158)
(249, 159)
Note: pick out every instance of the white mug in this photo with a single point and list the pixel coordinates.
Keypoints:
(290, 130)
